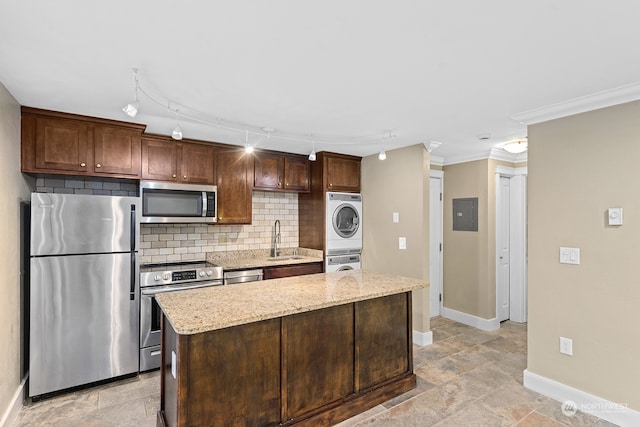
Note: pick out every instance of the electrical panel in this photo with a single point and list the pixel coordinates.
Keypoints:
(465, 214)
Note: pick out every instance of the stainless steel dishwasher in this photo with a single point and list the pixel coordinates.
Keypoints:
(242, 276)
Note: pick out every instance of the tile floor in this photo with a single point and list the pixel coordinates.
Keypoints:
(467, 377)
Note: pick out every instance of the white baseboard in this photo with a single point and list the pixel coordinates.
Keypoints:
(471, 320)
(609, 411)
(422, 338)
(15, 405)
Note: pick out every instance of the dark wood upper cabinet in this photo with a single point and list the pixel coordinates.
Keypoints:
(164, 159)
(281, 172)
(341, 172)
(197, 163)
(159, 159)
(116, 151)
(235, 179)
(70, 144)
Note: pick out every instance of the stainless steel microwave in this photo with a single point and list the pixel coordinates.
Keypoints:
(166, 202)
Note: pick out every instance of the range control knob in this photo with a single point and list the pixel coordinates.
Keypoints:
(156, 278)
(201, 273)
(209, 273)
(166, 276)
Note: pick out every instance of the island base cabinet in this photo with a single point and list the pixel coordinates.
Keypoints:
(314, 368)
(227, 378)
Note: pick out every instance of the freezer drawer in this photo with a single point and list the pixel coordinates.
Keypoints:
(84, 326)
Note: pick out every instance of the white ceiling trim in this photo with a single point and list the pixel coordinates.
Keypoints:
(582, 104)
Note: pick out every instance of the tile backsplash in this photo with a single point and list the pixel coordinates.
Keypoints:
(81, 185)
(191, 242)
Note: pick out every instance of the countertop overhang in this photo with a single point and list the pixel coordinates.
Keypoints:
(217, 307)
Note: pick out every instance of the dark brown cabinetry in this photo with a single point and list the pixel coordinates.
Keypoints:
(235, 179)
(70, 144)
(164, 159)
(340, 172)
(291, 270)
(281, 172)
(330, 172)
(314, 368)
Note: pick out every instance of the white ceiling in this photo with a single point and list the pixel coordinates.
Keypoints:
(445, 71)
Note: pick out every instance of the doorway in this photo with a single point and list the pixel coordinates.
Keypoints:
(511, 244)
(436, 183)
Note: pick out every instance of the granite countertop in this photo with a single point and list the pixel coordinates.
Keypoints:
(239, 260)
(216, 307)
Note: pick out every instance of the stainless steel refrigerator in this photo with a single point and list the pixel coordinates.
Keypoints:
(84, 307)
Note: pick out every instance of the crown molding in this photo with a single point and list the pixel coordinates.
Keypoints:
(436, 160)
(500, 154)
(594, 101)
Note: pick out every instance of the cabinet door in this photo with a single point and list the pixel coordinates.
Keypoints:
(116, 151)
(197, 163)
(159, 160)
(296, 174)
(62, 145)
(235, 176)
(343, 174)
(268, 171)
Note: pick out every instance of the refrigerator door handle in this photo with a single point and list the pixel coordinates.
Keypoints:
(132, 290)
(132, 228)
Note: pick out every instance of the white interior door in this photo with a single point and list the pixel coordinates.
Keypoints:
(503, 249)
(435, 244)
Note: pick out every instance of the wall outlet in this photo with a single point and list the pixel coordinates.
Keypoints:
(402, 243)
(566, 346)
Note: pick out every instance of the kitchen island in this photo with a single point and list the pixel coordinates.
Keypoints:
(308, 350)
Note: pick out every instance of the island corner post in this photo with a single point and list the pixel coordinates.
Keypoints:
(311, 368)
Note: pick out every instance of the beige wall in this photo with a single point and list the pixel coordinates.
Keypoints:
(14, 190)
(469, 256)
(398, 184)
(579, 167)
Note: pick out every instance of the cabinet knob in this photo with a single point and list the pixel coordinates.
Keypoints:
(83, 164)
(98, 165)
(173, 176)
(184, 177)
(279, 184)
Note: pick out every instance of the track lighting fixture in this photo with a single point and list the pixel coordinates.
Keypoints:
(382, 155)
(248, 148)
(312, 155)
(177, 131)
(193, 115)
(131, 109)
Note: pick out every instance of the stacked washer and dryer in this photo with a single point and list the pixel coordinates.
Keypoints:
(343, 244)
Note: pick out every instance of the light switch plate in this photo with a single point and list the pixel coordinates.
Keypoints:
(569, 255)
(396, 217)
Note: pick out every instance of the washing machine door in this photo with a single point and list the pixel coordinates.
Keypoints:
(346, 220)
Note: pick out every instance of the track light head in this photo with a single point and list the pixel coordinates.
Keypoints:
(248, 149)
(177, 133)
(312, 155)
(131, 109)
(382, 155)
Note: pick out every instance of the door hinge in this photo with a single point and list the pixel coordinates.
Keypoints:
(440, 247)
(440, 196)
(440, 297)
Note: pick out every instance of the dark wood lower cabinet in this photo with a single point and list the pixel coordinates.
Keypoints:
(308, 369)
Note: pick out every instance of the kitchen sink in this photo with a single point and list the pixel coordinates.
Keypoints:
(284, 258)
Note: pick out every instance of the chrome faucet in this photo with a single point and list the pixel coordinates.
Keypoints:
(276, 239)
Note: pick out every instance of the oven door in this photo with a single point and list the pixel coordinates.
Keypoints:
(150, 311)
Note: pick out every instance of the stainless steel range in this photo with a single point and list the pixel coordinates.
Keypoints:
(158, 278)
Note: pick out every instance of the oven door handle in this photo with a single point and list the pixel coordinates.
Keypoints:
(155, 290)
